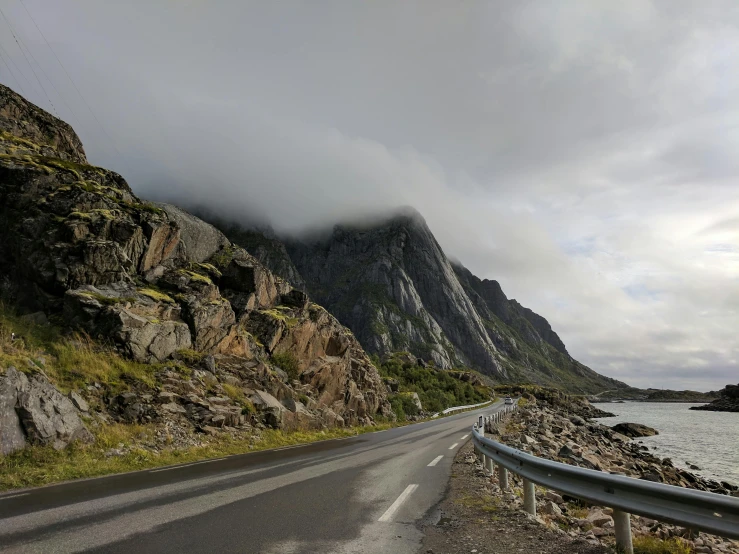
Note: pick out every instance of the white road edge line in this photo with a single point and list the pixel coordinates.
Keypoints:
(390, 512)
(14, 496)
(186, 465)
(435, 461)
(452, 447)
(464, 437)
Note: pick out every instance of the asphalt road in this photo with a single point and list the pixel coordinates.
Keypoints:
(363, 494)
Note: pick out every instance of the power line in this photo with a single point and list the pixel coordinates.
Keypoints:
(112, 143)
(10, 70)
(17, 69)
(59, 94)
(29, 63)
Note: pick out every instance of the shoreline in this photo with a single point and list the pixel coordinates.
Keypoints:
(564, 432)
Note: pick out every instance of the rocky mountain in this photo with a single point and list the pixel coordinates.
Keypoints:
(393, 286)
(727, 401)
(162, 287)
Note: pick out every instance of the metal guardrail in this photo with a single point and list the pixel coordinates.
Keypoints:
(705, 511)
(458, 408)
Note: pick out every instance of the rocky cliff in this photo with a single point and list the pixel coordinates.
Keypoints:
(154, 281)
(727, 401)
(392, 284)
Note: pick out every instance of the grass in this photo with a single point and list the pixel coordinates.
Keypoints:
(651, 545)
(196, 276)
(287, 362)
(157, 295)
(70, 362)
(486, 503)
(37, 466)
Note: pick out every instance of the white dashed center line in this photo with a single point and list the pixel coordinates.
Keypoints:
(464, 437)
(435, 461)
(388, 515)
(452, 447)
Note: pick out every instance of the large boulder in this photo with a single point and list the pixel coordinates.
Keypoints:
(33, 410)
(634, 430)
(201, 239)
(146, 324)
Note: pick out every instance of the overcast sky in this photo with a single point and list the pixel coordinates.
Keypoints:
(584, 154)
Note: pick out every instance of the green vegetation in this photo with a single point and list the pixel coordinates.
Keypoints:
(35, 466)
(157, 295)
(288, 363)
(208, 269)
(438, 389)
(223, 257)
(279, 313)
(651, 545)
(107, 300)
(9, 137)
(190, 356)
(145, 207)
(485, 502)
(70, 363)
(198, 277)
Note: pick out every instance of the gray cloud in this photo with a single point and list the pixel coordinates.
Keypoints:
(579, 153)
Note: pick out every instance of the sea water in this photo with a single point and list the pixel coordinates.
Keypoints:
(709, 440)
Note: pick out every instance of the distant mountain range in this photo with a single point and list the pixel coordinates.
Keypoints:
(393, 286)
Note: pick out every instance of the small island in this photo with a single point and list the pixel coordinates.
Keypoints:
(728, 401)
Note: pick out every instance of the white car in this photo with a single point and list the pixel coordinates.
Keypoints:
(508, 400)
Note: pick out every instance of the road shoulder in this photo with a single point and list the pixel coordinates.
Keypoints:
(470, 519)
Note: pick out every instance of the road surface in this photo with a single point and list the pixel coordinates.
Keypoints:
(362, 494)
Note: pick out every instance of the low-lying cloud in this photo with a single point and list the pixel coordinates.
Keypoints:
(580, 154)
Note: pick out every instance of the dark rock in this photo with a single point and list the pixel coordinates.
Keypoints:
(728, 401)
(634, 430)
(36, 318)
(566, 452)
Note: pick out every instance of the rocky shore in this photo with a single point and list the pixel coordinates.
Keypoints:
(728, 401)
(548, 426)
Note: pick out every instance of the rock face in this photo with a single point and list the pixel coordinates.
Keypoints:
(20, 120)
(728, 401)
(34, 410)
(392, 284)
(634, 430)
(156, 281)
(262, 243)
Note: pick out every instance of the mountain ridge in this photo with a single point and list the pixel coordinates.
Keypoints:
(389, 281)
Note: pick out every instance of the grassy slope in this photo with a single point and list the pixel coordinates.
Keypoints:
(76, 361)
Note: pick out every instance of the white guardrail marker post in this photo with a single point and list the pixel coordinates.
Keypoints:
(529, 497)
(502, 477)
(622, 522)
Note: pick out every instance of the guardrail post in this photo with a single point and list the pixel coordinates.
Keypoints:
(489, 465)
(502, 478)
(529, 497)
(622, 523)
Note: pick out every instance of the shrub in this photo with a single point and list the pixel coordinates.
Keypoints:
(437, 388)
(287, 362)
(652, 545)
(234, 393)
